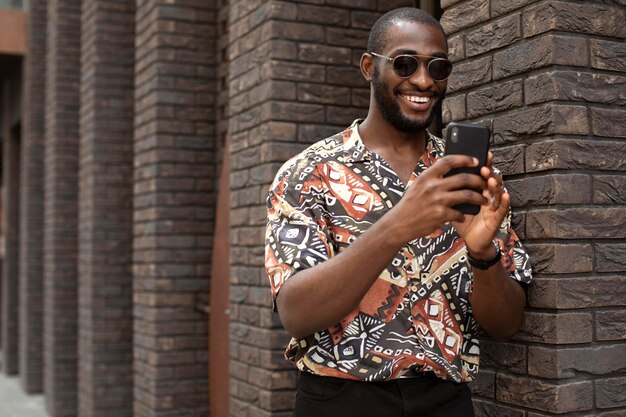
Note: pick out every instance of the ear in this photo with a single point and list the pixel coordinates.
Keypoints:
(367, 66)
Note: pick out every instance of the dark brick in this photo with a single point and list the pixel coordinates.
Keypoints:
(554, 189)
(610, 257)
(355, 38)
(567, 16)
(608, 55)
(577, 223)
(608, 122)
(469, 74)
(540, 52)
(297, 31)
(454, 108)
(609, 189)
(489, 409)
(494, 98)
(345, 76)
(566, 293)
(493, 35)
(562, 328)
(319, 93)
(499, 7)
(567, 397)
(543, 120)
(465, 14)
(456, 47)
(509, 159)
(560, 258)
(354, 4)
(324, 54)
(363, 19)
(611, 392)
(558, 363)
(503, 356)
(294, 71)
(575, 86)
(575, 154)
(484, 385)
(323, 15)
(611, 325)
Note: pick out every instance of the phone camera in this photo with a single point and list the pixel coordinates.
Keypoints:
(455, 134)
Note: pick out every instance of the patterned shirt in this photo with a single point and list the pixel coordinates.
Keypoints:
(416, 316)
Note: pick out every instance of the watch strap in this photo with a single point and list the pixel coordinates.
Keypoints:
(485, 264)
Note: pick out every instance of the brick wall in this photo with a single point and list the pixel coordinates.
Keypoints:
(174, 137)
(548, 78)
(31, 202)
(105, 373)
(61, 206)
(294, 79)
(10, 226)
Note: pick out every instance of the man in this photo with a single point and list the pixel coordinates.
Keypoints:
(383, 285)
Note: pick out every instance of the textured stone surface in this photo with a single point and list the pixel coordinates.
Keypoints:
(575, 86)
(493, 35)
(495, 98)
(608, 122)
(575, 223)
(610, 257)
(562, 328)
(466, 14)
(567, 363)
(553, 258)
(611, 325)
(540, 52)
(608, 55)
(568, 397)
(555, 189)
(591, 18)
(469, 74)
(611, 392)
(575, 154)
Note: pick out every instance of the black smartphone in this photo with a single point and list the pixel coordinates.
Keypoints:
(468, 139)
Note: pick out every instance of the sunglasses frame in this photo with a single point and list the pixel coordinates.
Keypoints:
(429, 60)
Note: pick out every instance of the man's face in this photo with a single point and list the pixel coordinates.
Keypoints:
(409, 104)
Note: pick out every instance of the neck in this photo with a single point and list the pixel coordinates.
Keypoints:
(377, 134)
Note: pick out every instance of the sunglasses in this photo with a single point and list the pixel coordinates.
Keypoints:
(404, 66)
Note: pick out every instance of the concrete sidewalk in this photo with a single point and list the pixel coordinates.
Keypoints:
(15, 403)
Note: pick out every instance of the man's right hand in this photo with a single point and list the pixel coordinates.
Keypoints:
(428, 201)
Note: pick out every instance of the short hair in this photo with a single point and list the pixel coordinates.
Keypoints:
(379, 35)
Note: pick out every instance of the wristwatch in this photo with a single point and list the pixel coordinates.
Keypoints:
(485, 264)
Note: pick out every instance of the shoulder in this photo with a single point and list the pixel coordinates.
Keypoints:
(302, 166)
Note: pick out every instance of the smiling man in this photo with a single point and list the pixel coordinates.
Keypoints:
(383, 285)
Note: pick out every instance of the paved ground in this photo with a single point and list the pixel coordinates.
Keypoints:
(15, 403)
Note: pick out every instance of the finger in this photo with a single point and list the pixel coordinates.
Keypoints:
(448, 162)
(495, 192)
(464, 180)
(489, 159)
(465, 196)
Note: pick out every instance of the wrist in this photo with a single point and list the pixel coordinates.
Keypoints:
(486, 259)
(484, 253)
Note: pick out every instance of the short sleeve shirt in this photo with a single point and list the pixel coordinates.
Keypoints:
(416, 316)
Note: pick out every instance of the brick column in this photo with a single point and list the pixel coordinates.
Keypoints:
(31, 201)
(294, 79)
(61, 206)
(548, 77)
(105, 373)
(10, 224)
(173, 204)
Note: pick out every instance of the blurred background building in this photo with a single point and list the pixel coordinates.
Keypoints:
(138, 141)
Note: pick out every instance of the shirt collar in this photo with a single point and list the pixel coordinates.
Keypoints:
(355, 150)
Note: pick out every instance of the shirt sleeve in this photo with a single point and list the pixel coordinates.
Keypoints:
(514, 257)
(297, 233)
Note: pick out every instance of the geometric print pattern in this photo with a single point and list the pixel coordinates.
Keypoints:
(416, 317)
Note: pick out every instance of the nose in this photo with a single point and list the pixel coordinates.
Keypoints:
(421, 79)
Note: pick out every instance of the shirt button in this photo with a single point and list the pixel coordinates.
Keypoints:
(414, 288)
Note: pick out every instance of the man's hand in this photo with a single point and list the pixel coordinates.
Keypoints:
(479, 231)
(428, 202)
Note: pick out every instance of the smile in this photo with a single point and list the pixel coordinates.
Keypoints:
(416, 99)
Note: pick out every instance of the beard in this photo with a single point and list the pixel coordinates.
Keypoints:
(390, 108)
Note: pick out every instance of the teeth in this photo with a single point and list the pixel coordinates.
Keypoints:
(416, 99)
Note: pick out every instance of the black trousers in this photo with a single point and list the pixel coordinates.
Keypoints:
(424, 396)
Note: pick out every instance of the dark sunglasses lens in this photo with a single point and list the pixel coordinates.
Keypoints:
(439, 69)
(405, 65)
